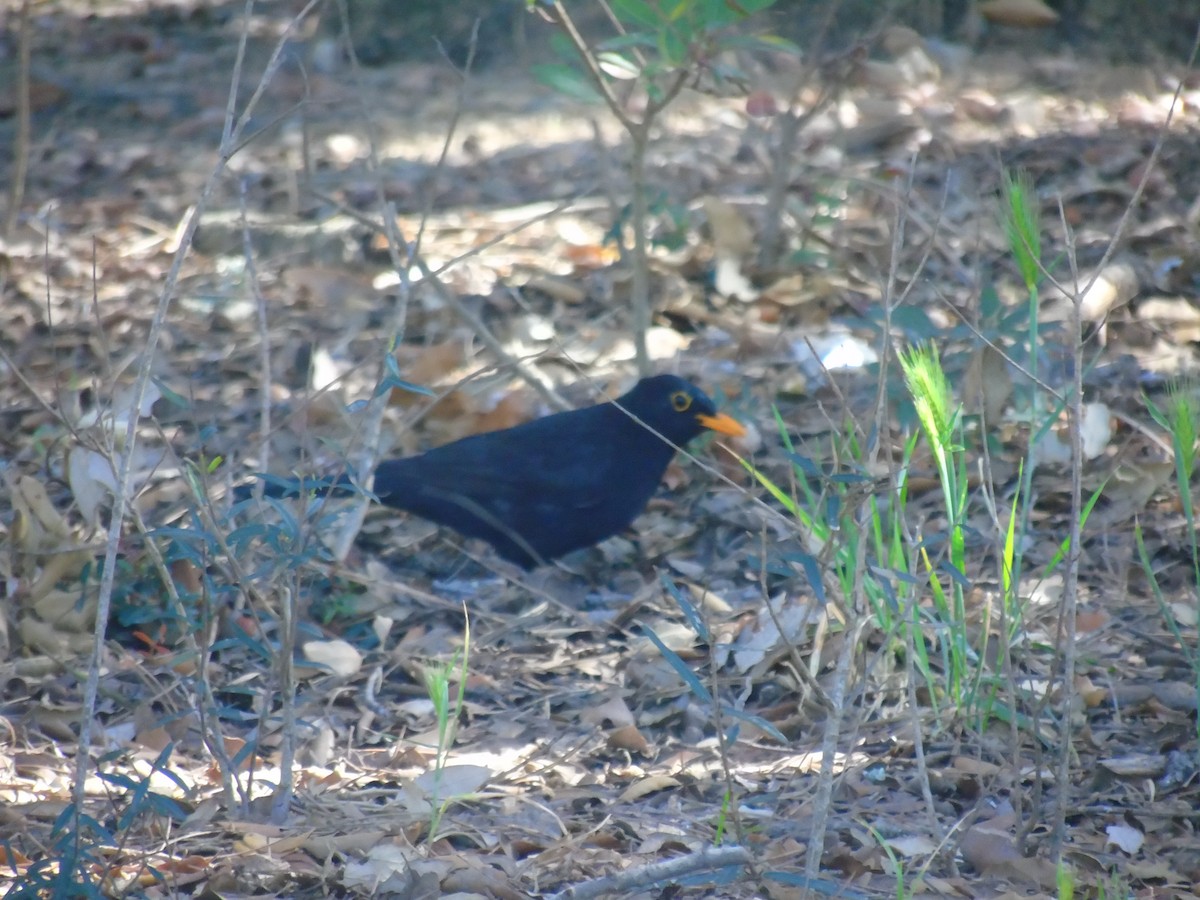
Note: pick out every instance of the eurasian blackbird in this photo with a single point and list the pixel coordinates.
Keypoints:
(560, 483)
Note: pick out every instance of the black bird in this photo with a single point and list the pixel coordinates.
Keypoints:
(560, 483)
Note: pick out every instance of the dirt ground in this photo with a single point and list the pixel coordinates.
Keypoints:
(583, 749)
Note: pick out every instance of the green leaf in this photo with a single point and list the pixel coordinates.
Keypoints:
(712, 14)
(175, 399)
(563, 48)
(672, 47)
(566, 81)
(625, 41)
(637, 11)
(675, 13)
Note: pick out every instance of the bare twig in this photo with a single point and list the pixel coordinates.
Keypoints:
(20, 165)
(791, 123)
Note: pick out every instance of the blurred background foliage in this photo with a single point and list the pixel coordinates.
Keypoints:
(387, 30)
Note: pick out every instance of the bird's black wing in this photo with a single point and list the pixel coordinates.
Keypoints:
(534, 492)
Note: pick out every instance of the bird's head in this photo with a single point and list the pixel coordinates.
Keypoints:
(676, 409)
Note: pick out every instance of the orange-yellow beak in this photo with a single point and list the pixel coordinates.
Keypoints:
(723, 424)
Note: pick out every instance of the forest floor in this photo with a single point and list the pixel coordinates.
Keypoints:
(583, 749)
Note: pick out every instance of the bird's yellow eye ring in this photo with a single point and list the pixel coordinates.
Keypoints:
(680, 401)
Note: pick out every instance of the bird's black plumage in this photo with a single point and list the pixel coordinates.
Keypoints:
(566, 481)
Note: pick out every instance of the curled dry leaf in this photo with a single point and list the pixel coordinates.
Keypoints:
(1115, 286)
(39, 527)
(56, 568)
(66, 611)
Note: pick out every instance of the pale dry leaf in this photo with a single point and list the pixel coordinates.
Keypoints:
(793, 616)
(728, 280)
(382, 627)
(115, 417)
(511, 410)
(92, 480)
(437, 785)
(376, 872)
(1124, 836)
(1136, 765)
(339, 656)
(1185, 613)
(614, 711)
(645, 786)
(1097, 429)
(912, 845)
(1091, 694)
(789, 291)
(323, 371)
